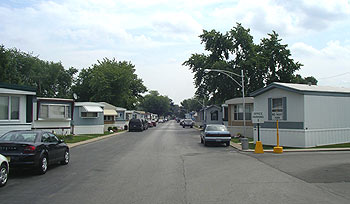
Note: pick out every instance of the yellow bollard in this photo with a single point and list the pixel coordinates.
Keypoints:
(258, 148)
(278, 149)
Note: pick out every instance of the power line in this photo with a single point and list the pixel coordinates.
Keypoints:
(334, 76)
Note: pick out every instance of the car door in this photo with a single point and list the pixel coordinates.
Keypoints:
(58, 146)
(50, 147)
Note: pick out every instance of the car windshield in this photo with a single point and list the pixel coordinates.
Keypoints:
(216, 128)
(19, 136)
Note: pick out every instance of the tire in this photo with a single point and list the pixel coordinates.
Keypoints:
(228, 143)
(202, 140)
(66, 158)
(205, 143)
(43, 165)
(4, 173)
(183, 126)
(191, 126)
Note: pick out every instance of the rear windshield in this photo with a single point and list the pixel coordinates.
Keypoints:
(216, 128)
(188, 120)
(19, 137)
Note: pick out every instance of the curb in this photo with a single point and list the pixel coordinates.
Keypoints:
(239, 148)
(71, 145)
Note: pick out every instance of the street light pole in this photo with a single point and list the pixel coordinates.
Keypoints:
(241, 85)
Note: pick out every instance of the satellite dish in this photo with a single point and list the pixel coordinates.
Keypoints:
(75, 96)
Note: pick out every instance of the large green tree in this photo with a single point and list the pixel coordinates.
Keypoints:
(234, 51)
(156, 103)
(50, 78)
(112, 81)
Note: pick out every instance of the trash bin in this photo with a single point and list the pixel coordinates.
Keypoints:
(245, 143)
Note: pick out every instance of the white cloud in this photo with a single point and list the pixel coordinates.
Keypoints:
(330, 64)
(286, 17)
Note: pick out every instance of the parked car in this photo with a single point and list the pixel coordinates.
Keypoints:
(181, 122)
(187, 122)
(215, 133)
(150, 123)
(145, 124)
(33, 149)
(160, 121)
(135, 125)
(4, 170)
(154, 123)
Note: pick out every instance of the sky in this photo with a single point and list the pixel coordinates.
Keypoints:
(157, 36)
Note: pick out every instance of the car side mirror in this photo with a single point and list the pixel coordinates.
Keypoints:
(60, 141)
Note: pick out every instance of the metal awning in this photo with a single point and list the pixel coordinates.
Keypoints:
(110, 112)
(92, 109)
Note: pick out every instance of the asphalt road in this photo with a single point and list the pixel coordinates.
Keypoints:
(168, 164)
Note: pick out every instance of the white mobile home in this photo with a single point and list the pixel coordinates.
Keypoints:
(16, 107)
(88, 118)
(53, 114)
(310, 115)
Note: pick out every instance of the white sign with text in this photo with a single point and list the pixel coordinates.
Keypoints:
(258, 117)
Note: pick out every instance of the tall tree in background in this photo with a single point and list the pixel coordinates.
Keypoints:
(112, 81)
(156, 103)
(235, 51)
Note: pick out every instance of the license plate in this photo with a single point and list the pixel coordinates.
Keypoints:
(218, 140)
(8, 159)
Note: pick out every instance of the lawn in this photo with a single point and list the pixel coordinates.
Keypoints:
(79, 138)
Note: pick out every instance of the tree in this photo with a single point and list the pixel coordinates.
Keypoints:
(156, 103)
(235, 51)
(112, 81)
(298, 79)
(50, 78)
(191, 104)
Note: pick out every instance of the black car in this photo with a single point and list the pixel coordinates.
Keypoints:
(136, 125)
(33, 149)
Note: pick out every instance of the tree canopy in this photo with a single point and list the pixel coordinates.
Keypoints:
(112, 81)
(156, 103)
(264, 63)
(50, 78)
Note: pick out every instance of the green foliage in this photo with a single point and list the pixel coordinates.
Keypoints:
(234, 51)
(156, 103)
(112, 81)
(192, 104)
(300, 80)
(50, 79)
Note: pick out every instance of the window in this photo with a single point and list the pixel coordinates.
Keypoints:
(238, 112)
(9, 108)
(54, 111)
(277, 105)
(89, 114)
(108, 118)
(214, 115)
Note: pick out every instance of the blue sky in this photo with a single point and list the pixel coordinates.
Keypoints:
(157, 36)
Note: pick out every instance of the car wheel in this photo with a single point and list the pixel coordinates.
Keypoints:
(66, 158)
(183, 126)
(228, 143)
(191, 126)
(205, 143)
(4, 172)
(43, 164)
(202, 140)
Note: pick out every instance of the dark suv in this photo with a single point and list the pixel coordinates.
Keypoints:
(136, 125)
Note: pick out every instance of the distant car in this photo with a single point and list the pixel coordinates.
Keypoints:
(154, 123)
(187, 122)
(181, 122)
(4, 170)
(150, 123)
(215, 133)
(160, 121)
(136, 125)
(145, 124)
(33, 149)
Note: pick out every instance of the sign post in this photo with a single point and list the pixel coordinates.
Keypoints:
(257, 118)
(276, 116)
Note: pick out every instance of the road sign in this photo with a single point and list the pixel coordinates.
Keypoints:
(277, 115)
(258, 117)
